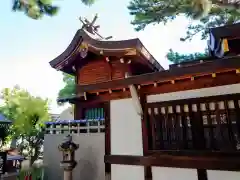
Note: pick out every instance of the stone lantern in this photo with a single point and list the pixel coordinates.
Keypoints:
(68, 163)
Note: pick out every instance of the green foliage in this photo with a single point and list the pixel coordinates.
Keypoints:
(35, 9)
(147, 12)
(88, 2)
(35, 171)
(176, 57)
(28, 114)
(69, 88)
(26, 111)
(217, 17)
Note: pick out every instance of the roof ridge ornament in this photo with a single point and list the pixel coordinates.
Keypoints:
(91, 28)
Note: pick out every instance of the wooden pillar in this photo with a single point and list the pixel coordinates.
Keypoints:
(143, 101)
(107, 134)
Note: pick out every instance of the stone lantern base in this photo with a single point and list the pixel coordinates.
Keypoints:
(68, 165)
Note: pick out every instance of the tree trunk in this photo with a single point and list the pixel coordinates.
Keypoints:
(35, 155)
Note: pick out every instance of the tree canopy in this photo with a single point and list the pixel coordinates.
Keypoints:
(69, 86)
(176, 57)
(36, 9)
(28, 114)
(210, 13)
(147, 12)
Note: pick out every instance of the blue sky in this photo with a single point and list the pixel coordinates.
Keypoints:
(26, 45)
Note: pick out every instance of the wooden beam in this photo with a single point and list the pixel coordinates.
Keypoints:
(210, 67)
(107, 134)
(143, 100)
(206, 99)
(102, 97)
(193, 162)
(198, 83)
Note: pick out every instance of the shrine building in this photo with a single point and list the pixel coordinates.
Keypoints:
(150, 123)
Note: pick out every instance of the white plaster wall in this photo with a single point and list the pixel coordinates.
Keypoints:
(126, 129)
(223, 175)
(127, 172)
(165, 173)
(204, 92)
(126, 138)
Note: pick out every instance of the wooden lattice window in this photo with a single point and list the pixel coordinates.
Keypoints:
(211, 123)
(94, 113)
(94, 119)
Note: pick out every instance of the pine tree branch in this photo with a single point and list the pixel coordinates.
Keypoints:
(227, 4)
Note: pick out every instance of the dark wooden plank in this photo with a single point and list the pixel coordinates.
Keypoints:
(201, 142)
(152, 120)
(210, 127)
(166, 127)
(208, 67)
(211, 163)
(104, 97)
(107, 134)
(193, 126)
(198, 83)
(147, 169)
(144, 123)
(197, 136)
(220, 135)
(159, 126)
(229, 125)
(184, 127)
(236, 105)
(176, 126)
(193, 153)
(78, 111)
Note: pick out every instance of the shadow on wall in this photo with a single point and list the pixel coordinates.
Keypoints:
(89, 156)
(87, 168)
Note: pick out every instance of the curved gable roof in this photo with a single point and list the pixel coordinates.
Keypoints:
(106, 46)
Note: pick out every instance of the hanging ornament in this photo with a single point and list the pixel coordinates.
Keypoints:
(83, 50)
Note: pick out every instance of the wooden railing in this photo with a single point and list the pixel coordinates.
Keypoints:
(76, 126)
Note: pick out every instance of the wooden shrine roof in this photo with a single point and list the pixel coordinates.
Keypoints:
(131, 47)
